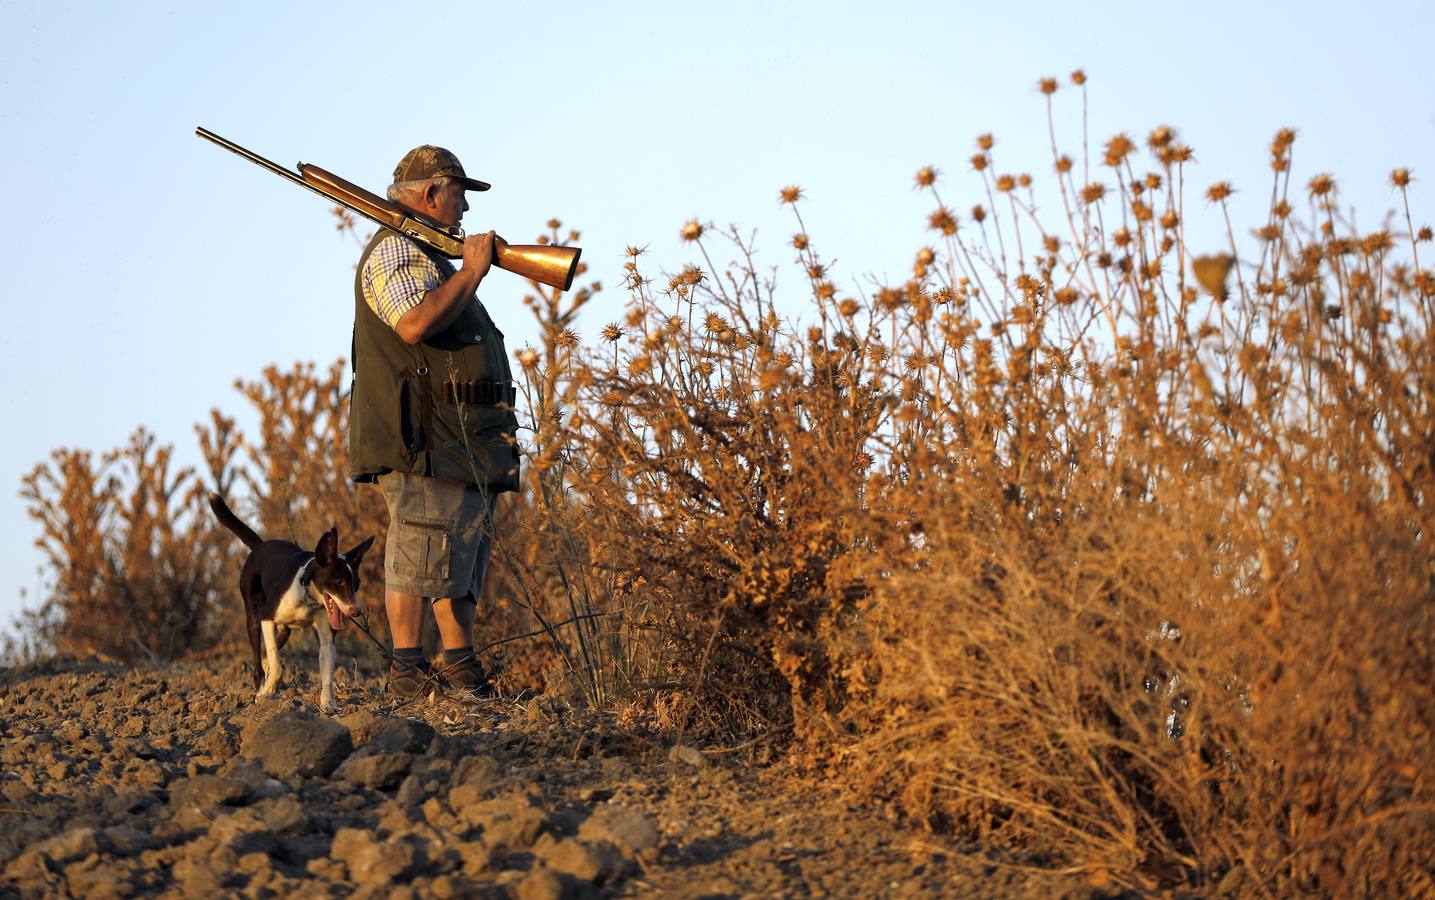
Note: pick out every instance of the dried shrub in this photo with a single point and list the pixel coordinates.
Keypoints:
(1078, 542)
(135, 555)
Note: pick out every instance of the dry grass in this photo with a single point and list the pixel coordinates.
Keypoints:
(1083, 542)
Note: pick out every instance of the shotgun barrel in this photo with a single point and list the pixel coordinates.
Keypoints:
(543, 263)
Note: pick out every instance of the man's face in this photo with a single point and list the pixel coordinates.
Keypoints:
(449, 204)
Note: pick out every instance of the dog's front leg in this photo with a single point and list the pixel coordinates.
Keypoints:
(327, 653)
(271, 660)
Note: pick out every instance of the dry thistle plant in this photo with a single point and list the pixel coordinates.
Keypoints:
(1081, 541)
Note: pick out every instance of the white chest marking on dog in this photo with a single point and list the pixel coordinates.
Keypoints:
(295, 607)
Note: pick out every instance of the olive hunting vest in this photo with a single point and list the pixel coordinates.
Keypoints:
(442, 408)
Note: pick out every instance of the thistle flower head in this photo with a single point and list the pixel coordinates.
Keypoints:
(926, 177)
(1117, 149)
(692, 230)
(1047, 86)
(942, 220)
(1400, 178)
(527, 357)
(790, 194)
(611, 332)
(1219, 191)
(1078, 77)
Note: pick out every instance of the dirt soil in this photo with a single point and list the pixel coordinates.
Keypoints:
(117, 782)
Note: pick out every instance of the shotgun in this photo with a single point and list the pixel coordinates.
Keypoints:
(543, 263)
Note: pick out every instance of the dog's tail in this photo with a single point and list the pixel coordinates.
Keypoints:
(229, 520)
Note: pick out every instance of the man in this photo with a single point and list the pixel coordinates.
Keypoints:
(432, 419)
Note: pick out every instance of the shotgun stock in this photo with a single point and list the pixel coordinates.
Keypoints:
(543, 263)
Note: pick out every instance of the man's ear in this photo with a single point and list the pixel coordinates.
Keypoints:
(356, 554)
(431, 190)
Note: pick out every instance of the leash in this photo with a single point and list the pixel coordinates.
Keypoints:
(284, 482)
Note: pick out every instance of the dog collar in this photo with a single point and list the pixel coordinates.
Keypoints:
(304, 579)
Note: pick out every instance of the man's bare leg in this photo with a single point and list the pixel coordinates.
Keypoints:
(455, 621)
(406, 617)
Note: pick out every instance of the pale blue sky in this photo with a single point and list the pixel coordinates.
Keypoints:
(146, 269)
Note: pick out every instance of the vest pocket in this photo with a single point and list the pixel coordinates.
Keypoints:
(415, 412)
(419, 547)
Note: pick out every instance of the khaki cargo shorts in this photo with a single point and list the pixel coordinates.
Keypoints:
(440, 536)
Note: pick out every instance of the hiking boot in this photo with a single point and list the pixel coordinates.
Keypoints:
(467, 675)
(409, 683)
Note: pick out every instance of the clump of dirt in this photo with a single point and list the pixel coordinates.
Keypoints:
(117, 782)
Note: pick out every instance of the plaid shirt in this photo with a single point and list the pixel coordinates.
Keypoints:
(396, 277)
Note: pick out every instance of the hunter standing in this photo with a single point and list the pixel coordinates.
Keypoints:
(432, 419)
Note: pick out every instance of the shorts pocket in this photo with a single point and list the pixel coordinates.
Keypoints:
(419, 546)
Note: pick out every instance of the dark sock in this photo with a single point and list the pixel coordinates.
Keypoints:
(455, 656)
(412, 656)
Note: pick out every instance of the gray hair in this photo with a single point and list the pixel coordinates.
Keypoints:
(410, 192)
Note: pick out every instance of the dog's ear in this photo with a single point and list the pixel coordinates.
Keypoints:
(328, 548)
(356, 554)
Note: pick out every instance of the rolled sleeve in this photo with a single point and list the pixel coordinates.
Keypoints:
(396, 276)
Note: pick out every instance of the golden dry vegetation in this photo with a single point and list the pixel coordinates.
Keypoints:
(1103, 552)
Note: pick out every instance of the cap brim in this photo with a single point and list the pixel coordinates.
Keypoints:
(473, 184)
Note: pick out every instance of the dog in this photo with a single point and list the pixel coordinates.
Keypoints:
(286, 587)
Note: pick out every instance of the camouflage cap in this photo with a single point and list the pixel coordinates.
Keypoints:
(429, 161)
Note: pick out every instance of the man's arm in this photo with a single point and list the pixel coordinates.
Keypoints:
(443, 304)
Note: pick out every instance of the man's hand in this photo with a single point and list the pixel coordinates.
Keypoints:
(478, 250)
(443, 304)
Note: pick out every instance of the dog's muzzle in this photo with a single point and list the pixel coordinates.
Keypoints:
(338, 619)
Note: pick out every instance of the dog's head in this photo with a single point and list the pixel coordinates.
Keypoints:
(335, 578)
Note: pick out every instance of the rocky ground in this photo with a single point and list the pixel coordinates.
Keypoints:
(117, 782)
